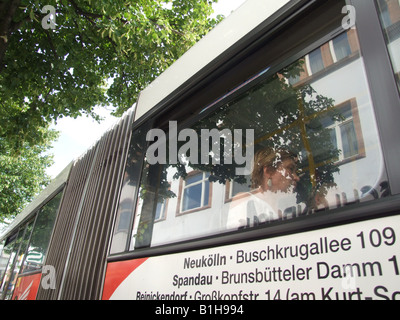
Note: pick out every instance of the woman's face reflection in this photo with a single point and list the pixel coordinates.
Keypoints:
(284, 179)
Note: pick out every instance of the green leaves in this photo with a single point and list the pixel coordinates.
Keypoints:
(100, 53)
(131, 42)
(22, 174)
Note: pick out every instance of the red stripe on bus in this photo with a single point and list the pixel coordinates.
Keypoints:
(116, 273)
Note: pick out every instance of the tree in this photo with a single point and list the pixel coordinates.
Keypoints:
(86, 53)
(64, 57)
(23, 175)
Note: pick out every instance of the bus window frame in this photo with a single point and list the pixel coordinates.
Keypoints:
(382, 83)
(383, 92)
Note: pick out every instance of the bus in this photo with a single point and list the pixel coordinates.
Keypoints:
(261, 165)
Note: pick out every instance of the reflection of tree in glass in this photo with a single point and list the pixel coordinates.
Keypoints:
(282, 116)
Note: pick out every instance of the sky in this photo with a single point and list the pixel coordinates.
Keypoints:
(79, 135)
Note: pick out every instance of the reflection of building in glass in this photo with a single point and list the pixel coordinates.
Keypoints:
(194, 192)
(332, 128)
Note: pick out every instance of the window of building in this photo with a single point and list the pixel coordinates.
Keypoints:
(345, 131)
(315, 60)
(195, 192)
(234, 188)
(335, 51)
(341, 47)
(160, 210)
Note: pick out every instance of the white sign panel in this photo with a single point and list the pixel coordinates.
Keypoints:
(359, 261)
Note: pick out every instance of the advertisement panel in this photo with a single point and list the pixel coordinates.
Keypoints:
(27, 287)
(358, 261)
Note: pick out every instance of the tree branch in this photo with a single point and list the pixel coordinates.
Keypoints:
(88, 15)
(154, 22)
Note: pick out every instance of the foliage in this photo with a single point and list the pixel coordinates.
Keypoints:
(23, 175)
(99, 53)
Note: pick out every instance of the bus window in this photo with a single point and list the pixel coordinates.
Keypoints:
(389, 11)
(41, 234)
(4, 256)
(310, 128)
(6, 264)
(15, 263)
(129, 190)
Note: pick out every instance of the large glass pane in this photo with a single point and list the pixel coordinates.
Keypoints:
(41, 234)
(305, 143)
(4, 257)
(389, 11)
(6, 264)
(20, 250)
(128, 198)
(15, 260)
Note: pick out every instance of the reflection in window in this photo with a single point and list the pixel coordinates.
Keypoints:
(25, 232)
(124, 216)
(196, 191)
(7, 260)
(234, 188)
(348, 139)
(129, 191)
(316, 62)
(315, 143)
(4, 256)
(341, 46)
(345, 132)
(389, 11)
(41, 234)
(10, 264)
(160, 210)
